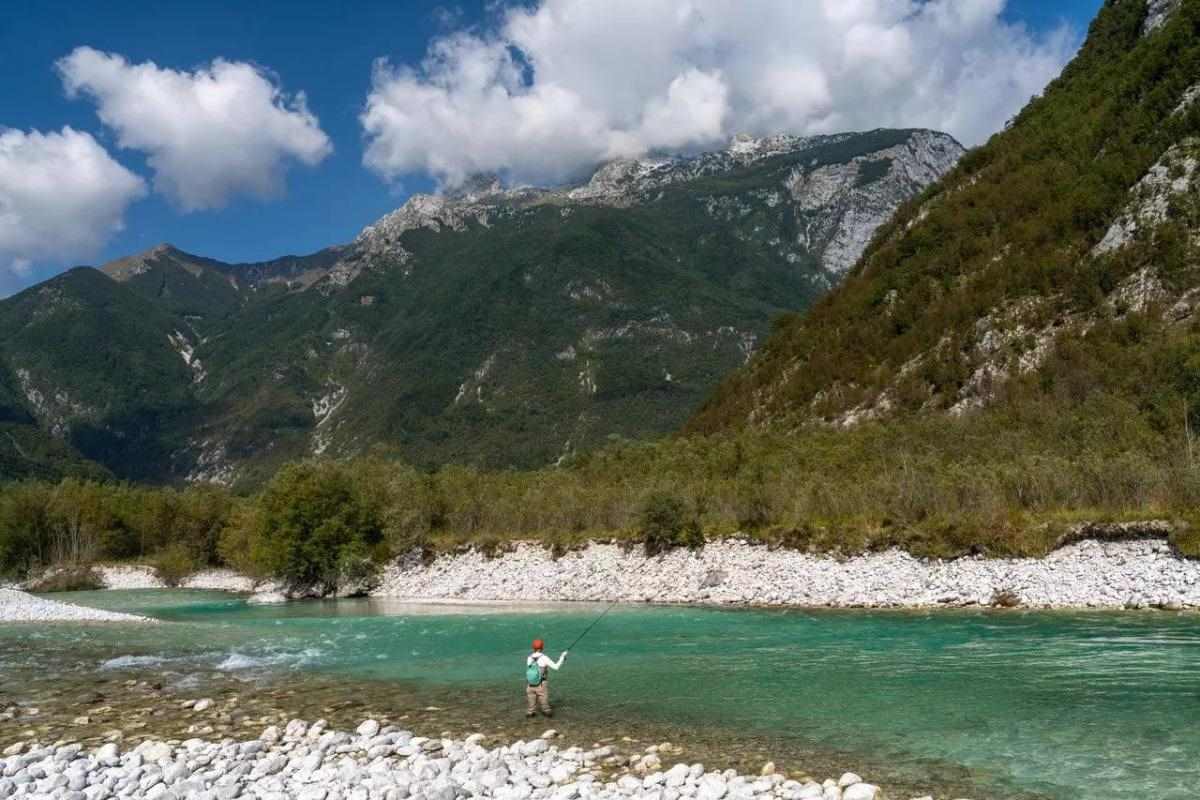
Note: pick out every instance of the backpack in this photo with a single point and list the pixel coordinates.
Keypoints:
(533, 673)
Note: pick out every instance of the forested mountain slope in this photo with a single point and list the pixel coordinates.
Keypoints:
(1056, 268)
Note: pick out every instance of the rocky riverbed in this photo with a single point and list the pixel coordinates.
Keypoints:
(1085, 574)
(312, 762)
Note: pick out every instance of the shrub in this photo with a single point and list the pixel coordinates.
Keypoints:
(559, 544)
(174, 563)
(1185, 538)
(664, 524)
(491, 546)
(754, 507)
(799, 538)
(68, 579)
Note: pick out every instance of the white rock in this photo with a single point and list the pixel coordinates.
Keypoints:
(847, 779)
(155, 751)
(712, 787)
(535, 747)
(368, 728)
(267, 598)
(860, 791)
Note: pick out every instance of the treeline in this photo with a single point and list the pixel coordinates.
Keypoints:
(1005, 482)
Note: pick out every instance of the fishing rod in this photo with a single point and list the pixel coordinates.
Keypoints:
(604, 613)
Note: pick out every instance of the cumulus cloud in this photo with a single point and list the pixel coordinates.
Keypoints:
(559, 85)
(61, 197)
(207, 134)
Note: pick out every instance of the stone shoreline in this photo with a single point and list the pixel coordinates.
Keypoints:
(18, 606)
(379, 762)
(1084, 574)
(1087, 573)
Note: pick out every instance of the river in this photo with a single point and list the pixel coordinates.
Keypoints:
(1000, 704)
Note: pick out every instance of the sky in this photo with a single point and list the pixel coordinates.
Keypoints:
(246, 131)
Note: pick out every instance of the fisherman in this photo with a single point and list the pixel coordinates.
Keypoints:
(537, 674)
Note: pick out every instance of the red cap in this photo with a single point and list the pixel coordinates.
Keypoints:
(538, 644)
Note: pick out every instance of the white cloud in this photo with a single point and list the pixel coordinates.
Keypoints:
(208, 134)
(61, 197)
(559, 85)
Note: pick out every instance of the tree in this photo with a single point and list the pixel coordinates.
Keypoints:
(314, 529)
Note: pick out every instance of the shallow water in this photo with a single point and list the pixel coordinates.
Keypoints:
(998, 704)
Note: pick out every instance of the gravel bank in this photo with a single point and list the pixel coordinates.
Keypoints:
(385, 763)
(17, 606)
(1086, 574)
(124, 576)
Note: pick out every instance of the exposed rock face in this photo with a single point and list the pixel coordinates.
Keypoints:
(1150, 200)
(1157, 14)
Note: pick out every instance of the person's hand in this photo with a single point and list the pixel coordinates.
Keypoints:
(565, 653)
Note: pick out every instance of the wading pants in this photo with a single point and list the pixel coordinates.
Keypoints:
(538, 696)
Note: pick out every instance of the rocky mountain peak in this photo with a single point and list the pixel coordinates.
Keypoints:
(478, 186)
(845, 186)
(131, 266)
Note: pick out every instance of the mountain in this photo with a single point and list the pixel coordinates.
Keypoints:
(88, 373)
(490, 326)
(1056, 268)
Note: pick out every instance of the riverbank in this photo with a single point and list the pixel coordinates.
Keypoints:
(1090, 573)
(137, 576)
(18, 606)
(1085, 574)
(311, 762)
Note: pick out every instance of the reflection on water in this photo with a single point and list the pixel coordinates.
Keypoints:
(995, 704)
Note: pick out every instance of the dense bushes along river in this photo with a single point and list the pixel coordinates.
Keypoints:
(1002, 483)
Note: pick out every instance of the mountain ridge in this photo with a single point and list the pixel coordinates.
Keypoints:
(496, 327)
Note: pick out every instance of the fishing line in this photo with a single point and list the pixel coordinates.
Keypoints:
(604, 613)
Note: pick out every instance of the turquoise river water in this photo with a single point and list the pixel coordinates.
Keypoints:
(1013, 704)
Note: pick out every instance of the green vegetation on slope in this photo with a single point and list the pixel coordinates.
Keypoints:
(93, 363)
(1005, 482)
(1013, 224)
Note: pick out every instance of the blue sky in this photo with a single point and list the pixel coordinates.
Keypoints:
(326, 50)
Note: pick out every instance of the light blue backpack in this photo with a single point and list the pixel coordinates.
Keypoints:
(533, 673)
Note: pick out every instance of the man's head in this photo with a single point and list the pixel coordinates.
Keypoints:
(538, 644)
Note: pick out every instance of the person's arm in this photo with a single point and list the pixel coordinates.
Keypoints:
(555, 665)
